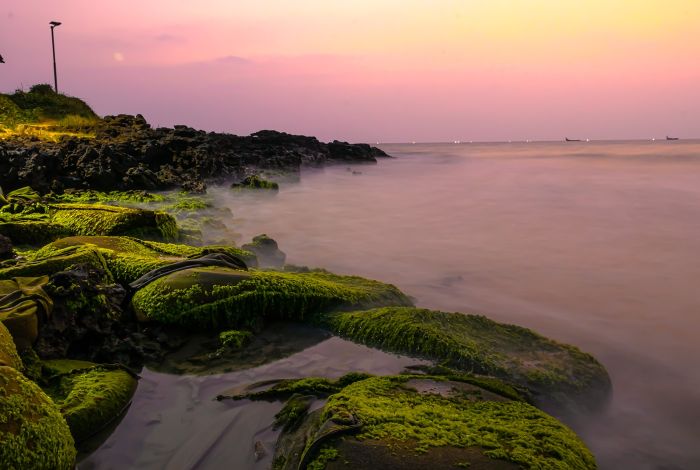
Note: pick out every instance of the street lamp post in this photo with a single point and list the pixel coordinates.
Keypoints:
(53, 48)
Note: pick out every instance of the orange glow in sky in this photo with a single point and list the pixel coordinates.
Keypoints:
(380, 70)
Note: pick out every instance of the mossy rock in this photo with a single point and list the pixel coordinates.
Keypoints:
(47, 262)
(552, 372)
(8, 351)
(414, 422)
(33, 434)
(266, 250)
(221, 298)
(23, 305)
(32, 232)
(255, 182)
(89, 396)
(25, 195)
(129, 258)
(99, 219)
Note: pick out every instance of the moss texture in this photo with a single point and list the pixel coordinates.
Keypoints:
(92, 196)
(33, 434)
(89, 396)
(218, 298)
(293, 412)
(514, 431)
(234, 339)
(48, 262)
(8, 351)
(255, 182)
(32, 232)
(99, 219)
(129, 258)
(476, 344)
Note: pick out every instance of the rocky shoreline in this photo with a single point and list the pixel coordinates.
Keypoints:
(127, 153)
(99, 277)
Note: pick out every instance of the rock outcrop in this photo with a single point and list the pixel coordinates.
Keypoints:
(127, 153)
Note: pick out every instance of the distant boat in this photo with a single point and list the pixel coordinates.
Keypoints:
(571, 140)
(671, 138)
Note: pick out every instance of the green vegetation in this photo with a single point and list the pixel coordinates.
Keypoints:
(46, 263)
(234, 339)
(97, 219)
(475, 344)
(215, 298)
(89, 396)
(44, 114)
(255, 182)
(8, 351)
(391, 411)
(128, 258)
(325, 455)
(91, 196)
(33, 434)
(293, 412)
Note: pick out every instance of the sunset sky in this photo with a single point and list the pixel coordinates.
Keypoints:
(373, 70)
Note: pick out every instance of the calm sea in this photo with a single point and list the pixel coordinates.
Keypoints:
(596, 244)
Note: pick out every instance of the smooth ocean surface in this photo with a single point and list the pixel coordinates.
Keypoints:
(596, 244)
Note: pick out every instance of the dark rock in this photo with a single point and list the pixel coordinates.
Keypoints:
(267, 251)
(127, 153)
(6, 251)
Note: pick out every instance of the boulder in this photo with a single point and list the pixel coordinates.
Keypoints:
(90, 396)
(214, 298)
(417, 422)
(23, 306)
(551, 372)
(8, 351)
(6, 250)
(266, 251)
(33, 434)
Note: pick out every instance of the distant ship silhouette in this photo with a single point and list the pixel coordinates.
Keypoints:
(571, 140)
(671, 138)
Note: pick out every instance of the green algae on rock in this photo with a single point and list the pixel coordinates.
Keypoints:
(266, 251)
(47, 262)
(234, 339)
(98, 219)
(8, 350)
(23, 304)
(454, 423)
(33, 434)
(90, 396)
(552, 372)
(255, 182)
(129, 258)
(219, 298)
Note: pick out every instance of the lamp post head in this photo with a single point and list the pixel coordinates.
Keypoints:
(55, 23)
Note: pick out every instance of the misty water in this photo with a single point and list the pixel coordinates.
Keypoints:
(596, 244)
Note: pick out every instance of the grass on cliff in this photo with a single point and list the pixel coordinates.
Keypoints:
(44, 114)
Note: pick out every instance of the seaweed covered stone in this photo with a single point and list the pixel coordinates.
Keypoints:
(553, 373)
(416, 422)
(98, 219)
(266, 250)
(33, 434)
(212, 298)
(23, 305)
(8, 350)
(90, 396)
(128, 258)
(255, 182)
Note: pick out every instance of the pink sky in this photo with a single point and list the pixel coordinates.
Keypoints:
(373, 70)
